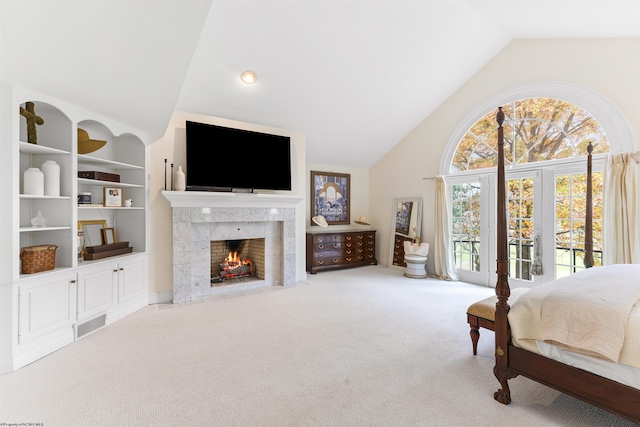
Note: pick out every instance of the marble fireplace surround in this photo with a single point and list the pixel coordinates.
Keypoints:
(201, 217)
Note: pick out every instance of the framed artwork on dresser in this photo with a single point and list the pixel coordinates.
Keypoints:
(330, 197)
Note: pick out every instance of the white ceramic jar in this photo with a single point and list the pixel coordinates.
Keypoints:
(51, 172)
(33, 182)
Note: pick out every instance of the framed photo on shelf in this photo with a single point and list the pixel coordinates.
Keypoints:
(330, 197)
(112, 197)
(108, 235)
(91, 231)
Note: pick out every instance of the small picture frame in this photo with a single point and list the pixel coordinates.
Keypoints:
(108, 236)
(112, 197)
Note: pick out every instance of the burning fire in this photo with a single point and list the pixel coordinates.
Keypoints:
(233, 260)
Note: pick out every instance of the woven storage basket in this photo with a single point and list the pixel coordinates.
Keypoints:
(38, 258)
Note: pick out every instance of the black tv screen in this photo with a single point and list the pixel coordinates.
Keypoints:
(222, 159)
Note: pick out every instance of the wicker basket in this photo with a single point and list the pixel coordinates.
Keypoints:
(38, 258)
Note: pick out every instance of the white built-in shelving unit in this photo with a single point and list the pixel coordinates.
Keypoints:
(44, 311)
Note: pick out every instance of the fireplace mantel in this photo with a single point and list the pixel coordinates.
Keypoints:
(201, 199)
(201, 217)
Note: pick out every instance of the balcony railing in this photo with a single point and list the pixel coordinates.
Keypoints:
(523, 252)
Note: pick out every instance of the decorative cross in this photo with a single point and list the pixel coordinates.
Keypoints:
(32, 120)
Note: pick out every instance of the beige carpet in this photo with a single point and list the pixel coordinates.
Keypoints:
(361, 347)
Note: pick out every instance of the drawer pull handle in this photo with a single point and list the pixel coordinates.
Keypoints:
(320, 262)
(320, 246)
(115, 270)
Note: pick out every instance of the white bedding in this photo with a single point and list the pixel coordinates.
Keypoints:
(524, 319)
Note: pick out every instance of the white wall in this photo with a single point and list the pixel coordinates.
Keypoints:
(172, 147)
(609, 67)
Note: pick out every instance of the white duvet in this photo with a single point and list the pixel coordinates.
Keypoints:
(527, 329)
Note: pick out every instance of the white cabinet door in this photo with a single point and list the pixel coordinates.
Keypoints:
(97, 290)
(46, 305)
(132, 279)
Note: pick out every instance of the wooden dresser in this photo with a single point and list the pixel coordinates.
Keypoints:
(340, 249)
(398, 250)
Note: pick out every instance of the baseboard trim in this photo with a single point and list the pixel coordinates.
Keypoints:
(161, 297)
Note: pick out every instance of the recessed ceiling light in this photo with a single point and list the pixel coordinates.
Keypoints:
(249, 77)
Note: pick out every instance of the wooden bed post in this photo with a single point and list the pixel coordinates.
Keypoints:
(588, 223)
(501, 369)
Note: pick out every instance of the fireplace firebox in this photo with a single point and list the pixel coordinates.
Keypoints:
(233, 260)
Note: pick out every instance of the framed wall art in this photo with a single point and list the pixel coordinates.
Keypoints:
(330, 197)
(112, 197)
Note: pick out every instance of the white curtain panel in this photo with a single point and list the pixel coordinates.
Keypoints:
(622, 209)
(443, 256)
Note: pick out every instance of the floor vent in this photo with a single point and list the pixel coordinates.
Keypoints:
(90, 325)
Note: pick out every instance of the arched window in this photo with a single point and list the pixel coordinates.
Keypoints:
(535, 129)
(546, 142)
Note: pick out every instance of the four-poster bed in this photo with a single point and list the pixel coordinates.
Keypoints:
(514, 358)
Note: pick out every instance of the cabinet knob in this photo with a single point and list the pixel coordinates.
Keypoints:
(115, 270)
(72, 281)
(121, 268)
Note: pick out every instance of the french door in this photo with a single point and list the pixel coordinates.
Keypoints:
(474, 229)
(524, 223)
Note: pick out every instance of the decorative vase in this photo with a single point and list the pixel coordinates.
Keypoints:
(51, 172)
(39, 220)
(179, 182)
(33, 182)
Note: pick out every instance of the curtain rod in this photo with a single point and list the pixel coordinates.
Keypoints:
(429, 177)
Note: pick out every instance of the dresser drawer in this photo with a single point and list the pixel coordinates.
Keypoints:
(327, 238)
(326, 246)
(328, 253)
(325, 262)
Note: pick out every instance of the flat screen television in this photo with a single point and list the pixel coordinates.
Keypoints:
(224, 159)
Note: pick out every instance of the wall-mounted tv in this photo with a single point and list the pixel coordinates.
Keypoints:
(224, 159)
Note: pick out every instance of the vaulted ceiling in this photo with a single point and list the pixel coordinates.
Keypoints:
(355, 76)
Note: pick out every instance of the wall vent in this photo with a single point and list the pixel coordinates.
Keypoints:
(90, 325)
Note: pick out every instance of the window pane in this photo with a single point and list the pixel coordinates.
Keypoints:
(466, 225)
(570, 222)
